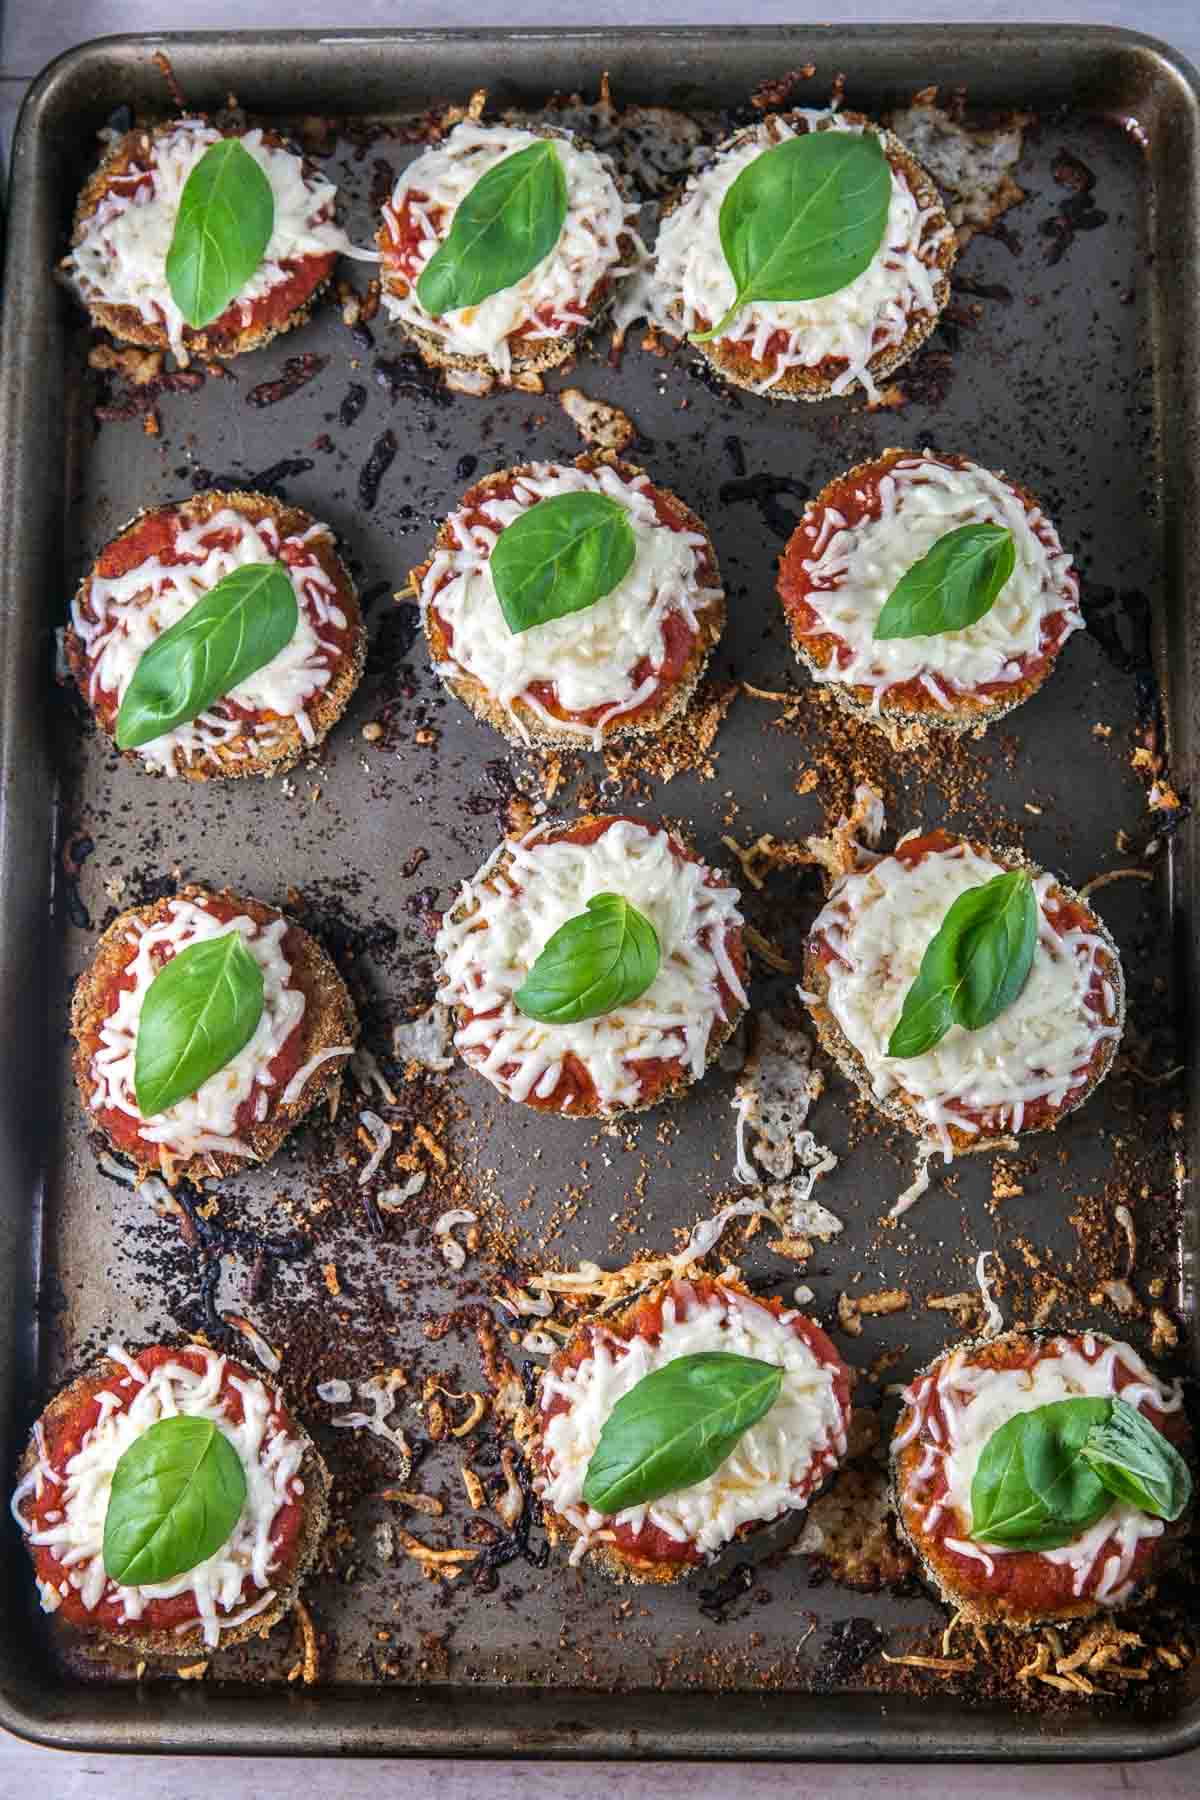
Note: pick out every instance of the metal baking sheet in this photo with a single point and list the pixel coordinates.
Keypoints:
(1070, 360)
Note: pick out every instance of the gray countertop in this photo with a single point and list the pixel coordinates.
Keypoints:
(30, 35)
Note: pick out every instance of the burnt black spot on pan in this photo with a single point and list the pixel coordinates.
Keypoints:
(765, 490)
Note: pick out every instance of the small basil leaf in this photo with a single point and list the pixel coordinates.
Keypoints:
(511, 219)
(224, 224)
(975, 966)
(201, 1009)
(952, 586)
(561, 556)
(601, 959)
(238, 628)
(1137, 1463)
(804, 219)
(176, 1495)
(1032, 1490)
(676, 1427)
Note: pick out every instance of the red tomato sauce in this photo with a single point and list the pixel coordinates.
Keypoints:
(64, 1437)
(648, 1540)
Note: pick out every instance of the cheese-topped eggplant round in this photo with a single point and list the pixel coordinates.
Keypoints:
(299, 1035)
(168, 561)
(648, 1046)
(237, 1589)
(774, 1467)
(535, 320)
(624, 665)
(861, 537)
(1037, 1060)
(951, 1413)
(125, 223)
(805, 349)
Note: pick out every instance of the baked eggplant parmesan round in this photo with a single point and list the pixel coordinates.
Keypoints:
(967, 994)
(1041, 1478)
(594, 967)
(205, 1028)
(857, 326)
(235, 592)
(883, 579)
(500, 249)
(125, 1549)
(120, 262)
(679, 1364)
(622, 664)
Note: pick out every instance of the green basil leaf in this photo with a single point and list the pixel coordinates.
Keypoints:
(804, 219)
(561, 556)
(511, 219)
(224, 224)
(975, 966)
(177, 1494)
(1032, 1489)
(239, 627)
(201, 1009)
(677, 1426)
(955, 583)
(1137, 1463)
(601, 959)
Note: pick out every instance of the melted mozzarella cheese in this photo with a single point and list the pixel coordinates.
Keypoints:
(771, 1469)
(117, 618)
(270, 1459)
(504, 917)
(589, 656)
(121, 256)
(691, 285)
(880, 921)
(975, 1401)
(854, 569)
(205, 1120)
(588, 248)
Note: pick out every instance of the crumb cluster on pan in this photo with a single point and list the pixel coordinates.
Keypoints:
(148, 578)
(776, 1467)
(242, 1114)
(1036, 1062)
(862, 533)
(805, 349)
(538, 322)
(125, 220)
(622, 668)
(951, 1409)
(65, 1476)
(645, 1051)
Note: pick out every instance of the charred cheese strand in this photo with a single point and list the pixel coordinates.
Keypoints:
(121, 256)
(206, 1120)
(975, 1401)
(854, 569)
(879, 923)
(117, 618)
(770, 1471)
(589, 656)
(493, 935)
(270, 1459)
(554, 299)
(691, 286)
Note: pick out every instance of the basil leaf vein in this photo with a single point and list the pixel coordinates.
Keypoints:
(955, 584)
(676, 1427)
(238, 628)
(177, 1493)
(509, 221)
(559, 557)
(804, 219)
(202, 1007)
(975, 965)
(600, 959)
(1137, 1463)
(222, 229)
